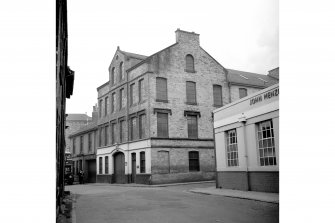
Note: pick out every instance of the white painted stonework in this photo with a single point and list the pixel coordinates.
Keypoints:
(243, 116)
(127, 149)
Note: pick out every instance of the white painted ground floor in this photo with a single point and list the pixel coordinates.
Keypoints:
(156, 161)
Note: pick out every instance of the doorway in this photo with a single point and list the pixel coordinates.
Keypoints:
(91, 171)
(119, 175)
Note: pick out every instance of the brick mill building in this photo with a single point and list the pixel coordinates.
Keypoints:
(156, 113)
(74, 121)
(155, 120)
(83, 144)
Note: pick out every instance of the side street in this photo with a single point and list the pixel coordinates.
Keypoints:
(191, 202)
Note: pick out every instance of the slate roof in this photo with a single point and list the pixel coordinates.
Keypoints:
(133, 55)
(85, 128)
(251, 79)
(78, 117)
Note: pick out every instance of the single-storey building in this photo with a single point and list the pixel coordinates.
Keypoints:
(247, 142)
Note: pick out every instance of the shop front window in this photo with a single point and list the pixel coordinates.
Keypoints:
(266, 144)
(232, 151)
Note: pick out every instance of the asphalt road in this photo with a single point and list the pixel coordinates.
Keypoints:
(174, 204)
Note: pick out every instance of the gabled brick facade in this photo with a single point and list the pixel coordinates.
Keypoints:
(166, 159)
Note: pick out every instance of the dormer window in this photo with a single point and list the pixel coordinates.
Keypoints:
(189, 63)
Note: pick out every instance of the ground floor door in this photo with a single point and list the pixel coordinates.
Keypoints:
(133, 167)
(91, 171)
(119, 175)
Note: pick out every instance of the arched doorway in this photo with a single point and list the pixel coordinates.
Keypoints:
(119, 176)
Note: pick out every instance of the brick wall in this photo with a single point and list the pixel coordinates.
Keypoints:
(171, 64)
(264, 181)
(73, 126)
(172, 165)
(104, 178)
(258, 181)
(116, 87)
(182, 177)
(232, 180)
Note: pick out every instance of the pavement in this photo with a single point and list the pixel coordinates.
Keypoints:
(67, 213)
(250, 195)
(156, 185)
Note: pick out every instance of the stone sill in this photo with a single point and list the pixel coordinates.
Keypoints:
(160, 100)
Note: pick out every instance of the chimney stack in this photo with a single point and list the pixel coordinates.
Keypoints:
(187, 37)
(95, 114)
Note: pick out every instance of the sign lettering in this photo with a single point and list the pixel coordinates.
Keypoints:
(265, 96)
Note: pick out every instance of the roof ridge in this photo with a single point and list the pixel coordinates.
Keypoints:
(246, 72)
(147, 59)
(125, 52)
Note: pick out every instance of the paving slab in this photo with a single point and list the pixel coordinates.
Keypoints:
(250, 195)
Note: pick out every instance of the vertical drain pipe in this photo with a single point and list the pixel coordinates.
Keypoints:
(216, 170)
(243, 120)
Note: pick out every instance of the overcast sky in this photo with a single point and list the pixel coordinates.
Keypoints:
(240, 34)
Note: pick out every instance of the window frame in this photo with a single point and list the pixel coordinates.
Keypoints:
(122, 134)
(141, 132)
(113, 76)
(161, 114)
(193, 160)
(161, 89)
(113, 102)
(121, 95)
(131, 96)
(100, 165)
(81, 144)
(121, 74)
(74, 145)
(106, 165)
(190, 93)
(142, 162)
(90, 142)
(232, 157)
(219, 87)
(113, 132)
(190, 131)
(189, 65)
(133, 124)
(241, 90)
(106, 135)
(261, 141)
(140, 87)
(100, 108)
(100, 137)
(106, 106)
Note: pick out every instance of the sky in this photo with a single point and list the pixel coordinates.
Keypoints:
(240, 34)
